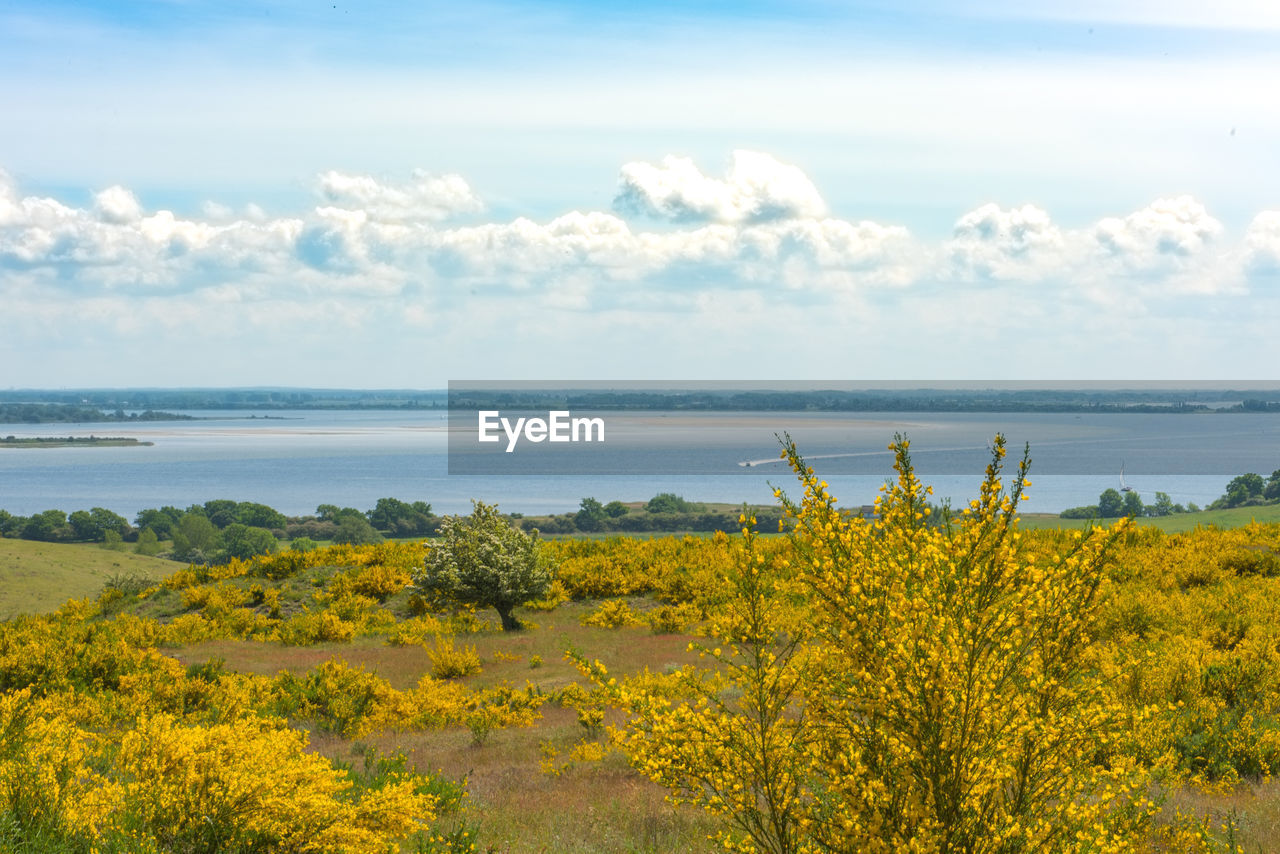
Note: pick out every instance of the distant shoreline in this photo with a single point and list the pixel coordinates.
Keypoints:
(72, 442)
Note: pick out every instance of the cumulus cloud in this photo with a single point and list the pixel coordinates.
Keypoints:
(1168, 247)
(756, 188)
(762, 230)
(117, 205)
(992, 242)
(1166, 230)
(1262, 244)
(425, 197)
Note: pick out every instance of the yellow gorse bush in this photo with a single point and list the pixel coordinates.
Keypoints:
(902, 686)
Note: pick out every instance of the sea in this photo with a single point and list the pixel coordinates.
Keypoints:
(297, 460)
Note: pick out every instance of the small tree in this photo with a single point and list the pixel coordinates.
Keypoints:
(148, 543)
(1110, 504)
(591, 516)
(1164, 505)
(482, 560)
(1271, 491)
(355, 530)
(245, 541)
(668, 502)
(1243, 488)
(1133, 506)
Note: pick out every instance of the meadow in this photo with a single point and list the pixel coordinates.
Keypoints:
(665, 694)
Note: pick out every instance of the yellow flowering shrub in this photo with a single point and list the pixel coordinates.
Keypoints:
(902, 687)
(251, 783)
(449, 661)
(309, 628)
(612, 614)
(415, 631)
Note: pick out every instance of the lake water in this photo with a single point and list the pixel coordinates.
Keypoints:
(294, 461)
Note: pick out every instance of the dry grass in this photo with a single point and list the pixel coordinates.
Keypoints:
(598, 807)
(1252, 810)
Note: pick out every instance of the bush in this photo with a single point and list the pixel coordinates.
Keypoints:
(612, 614)
(451, 662)
(668, 502)
(482, 560)
(902, 687)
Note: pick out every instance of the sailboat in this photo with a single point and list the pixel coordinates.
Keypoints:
(1124, 487)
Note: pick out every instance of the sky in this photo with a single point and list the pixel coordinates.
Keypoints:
(396, 195)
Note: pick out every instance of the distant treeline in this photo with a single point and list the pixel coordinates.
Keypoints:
(67, 413)
(222, 529)
(140, 399)
(725, 400)
(1247, 490)
(873, 400)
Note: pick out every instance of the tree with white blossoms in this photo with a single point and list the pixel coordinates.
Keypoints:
(483, 560)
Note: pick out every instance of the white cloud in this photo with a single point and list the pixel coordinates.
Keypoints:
(426, 197)
(117, 205)
(1261, 253)
(758, 234)
(995, 243)
(1167, 248)
(756, 188)
(1167, 230)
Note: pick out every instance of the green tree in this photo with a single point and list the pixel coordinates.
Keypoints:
(1243, 488)
(1133, 506)
(91, 525)
(161, 520)
(84, 528)
(1164, 505)
(401, 519)
(590, 516)
(355, 530)
(245, 541)
(148, 543)
(47, 526)
(668, 502)
(1110, 504)
(221, 511)
(482, 560)
(195, 538)
(1271, 491)
(260, 516)
(332, 512)
(615, 509)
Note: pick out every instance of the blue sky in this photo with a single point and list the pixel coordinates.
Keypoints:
(399, 194)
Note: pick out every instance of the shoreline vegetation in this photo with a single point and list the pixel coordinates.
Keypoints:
(72, 442)
(157, 404)
(222, 530)
(67, 413)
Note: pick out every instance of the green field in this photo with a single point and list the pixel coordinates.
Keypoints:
(37, 577)
(1233, 518)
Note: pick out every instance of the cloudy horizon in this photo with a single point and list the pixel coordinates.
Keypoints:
(375, 198)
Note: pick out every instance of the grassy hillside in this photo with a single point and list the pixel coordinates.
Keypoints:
(37, 577)
(1233, 518)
